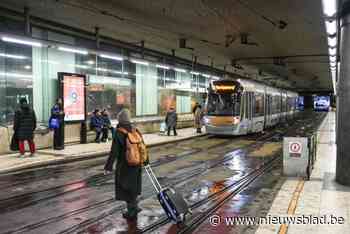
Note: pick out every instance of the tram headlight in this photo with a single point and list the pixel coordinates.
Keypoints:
(206, 120)
(236, 120)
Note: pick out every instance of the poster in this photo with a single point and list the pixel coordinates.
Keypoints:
(74, 97)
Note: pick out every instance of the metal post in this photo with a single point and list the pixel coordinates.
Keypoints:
(27, 21)
(343, 108)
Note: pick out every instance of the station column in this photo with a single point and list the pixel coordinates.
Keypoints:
(343, 105)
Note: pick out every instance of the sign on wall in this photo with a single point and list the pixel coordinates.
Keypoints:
(73, 96)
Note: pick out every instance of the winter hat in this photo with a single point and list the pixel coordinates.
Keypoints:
(123, 117)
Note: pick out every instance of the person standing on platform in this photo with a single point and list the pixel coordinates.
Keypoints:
(57, 115)
(198, 115)
(96, 124)
(106, 126)
(171, 120)
(24, 126)
(128, 179)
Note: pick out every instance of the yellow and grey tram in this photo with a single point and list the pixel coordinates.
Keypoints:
(239, 107)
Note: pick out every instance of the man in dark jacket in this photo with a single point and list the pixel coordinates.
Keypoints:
(58, 135)
(127, 178)
(106, 125)
(24, 126)
(171, 120)
(97, 124)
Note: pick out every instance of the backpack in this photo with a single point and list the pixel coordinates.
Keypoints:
(136, 151)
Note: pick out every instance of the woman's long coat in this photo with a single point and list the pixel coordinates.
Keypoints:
(198, 115)
(128, 180)
(24, 123)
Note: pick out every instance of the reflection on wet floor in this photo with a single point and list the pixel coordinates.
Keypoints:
(197, 168)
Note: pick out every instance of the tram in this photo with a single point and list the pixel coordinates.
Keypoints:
(239, 107)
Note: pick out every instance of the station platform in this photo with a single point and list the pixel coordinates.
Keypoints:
(45, 157)
(321, 204)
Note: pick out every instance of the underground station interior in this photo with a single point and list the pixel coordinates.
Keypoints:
(174, 116)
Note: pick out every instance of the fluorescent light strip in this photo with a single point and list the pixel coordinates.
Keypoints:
(111, 57)
(180, 70)
(12, 56)
(162, 66)
(332, 41)
(23, 42)
(329, 7)
(215, 77)
(15, 75)
(333, 59)
(73, 50)
(139, 62)
(332, 64)
(332, 51)
(205, 75)
(194, 73)
(331, 27)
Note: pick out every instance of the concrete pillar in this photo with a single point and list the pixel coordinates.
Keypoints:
(343, 146)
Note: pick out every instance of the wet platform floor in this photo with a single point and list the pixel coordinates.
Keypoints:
(78, 198)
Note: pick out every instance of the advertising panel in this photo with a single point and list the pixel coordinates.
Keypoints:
(73, 95)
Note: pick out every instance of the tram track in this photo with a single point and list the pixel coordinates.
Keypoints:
(227, 193)
(194, 172)
(259, 139)
(189, 176)
(26, 199)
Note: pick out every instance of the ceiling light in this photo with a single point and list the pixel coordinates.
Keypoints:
(215, 77)
(205, 75)
(329, 7)
(91, 62)
(332, 51)
(180, 70)
(27, 67)
(333, 59)
(77, 51)
(17, 75)
(23, 42)
(194, 73)
(332, 64)
(12, 56)
(331, 27)
(332, 41)
(162, 66)
(111, 57)
(139, 62)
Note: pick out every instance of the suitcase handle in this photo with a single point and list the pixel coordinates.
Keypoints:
(153, 178)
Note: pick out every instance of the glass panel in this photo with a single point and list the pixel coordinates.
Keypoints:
(259, 105)
(146, 90)
(16, 78)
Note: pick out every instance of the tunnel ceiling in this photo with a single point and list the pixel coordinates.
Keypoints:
(256, 35)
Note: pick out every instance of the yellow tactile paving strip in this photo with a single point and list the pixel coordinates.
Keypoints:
(293, 204)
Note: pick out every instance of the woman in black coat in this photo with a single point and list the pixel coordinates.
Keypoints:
(24, 126)
(128, 180)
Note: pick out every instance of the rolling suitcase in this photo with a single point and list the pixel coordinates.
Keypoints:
(172, 202)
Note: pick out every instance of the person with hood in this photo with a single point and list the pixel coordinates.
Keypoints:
(198, 115)
(171, 120)
(96, 124)
(58, 133)
(128, 180)
(24, 126)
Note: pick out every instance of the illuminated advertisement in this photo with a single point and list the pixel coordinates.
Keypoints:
(321, 103)
(73, 93)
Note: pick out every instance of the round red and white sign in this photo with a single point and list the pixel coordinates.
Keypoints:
(295, 147)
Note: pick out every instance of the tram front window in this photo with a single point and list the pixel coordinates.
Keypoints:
(224, 104)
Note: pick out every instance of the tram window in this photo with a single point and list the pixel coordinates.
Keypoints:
(224, 104)
(258, 105)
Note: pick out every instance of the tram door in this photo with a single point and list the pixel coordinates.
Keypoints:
(267, 111)
(250, 111)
